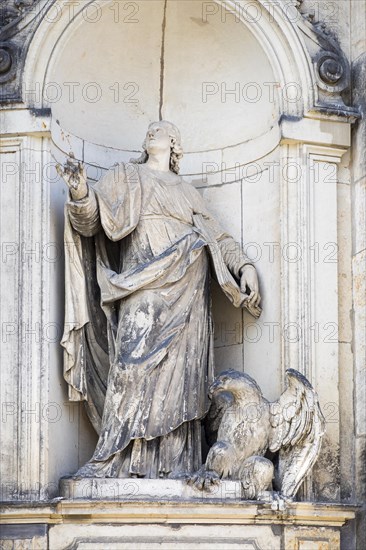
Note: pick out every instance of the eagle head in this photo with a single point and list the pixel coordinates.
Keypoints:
(239, 384)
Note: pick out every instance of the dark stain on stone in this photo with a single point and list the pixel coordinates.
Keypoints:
(40, 112)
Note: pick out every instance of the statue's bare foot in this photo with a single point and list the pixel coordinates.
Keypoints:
(204, 480)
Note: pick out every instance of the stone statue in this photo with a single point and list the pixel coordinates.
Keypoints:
(241, 426)
(138, 328)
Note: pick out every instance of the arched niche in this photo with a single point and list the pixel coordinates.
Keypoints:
(107, 80)
(243, 155)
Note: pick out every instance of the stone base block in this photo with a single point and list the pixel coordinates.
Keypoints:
(156, 490)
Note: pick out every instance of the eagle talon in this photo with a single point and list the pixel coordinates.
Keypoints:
(204, 480)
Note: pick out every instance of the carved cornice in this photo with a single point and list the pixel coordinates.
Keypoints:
(243, 512)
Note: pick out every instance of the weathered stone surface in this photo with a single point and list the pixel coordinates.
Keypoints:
(23, 537)
(359, 297)
(359, 133)
(347, 443)
(358, 28)
(310, 538)
(358, 171)
(344, 222)
(360, 475)
(359, 214)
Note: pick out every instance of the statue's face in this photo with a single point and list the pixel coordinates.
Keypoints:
(157, 139)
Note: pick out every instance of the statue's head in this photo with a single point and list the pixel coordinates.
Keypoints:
(159, 136)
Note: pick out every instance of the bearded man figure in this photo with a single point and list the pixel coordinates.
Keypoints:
(138, 330)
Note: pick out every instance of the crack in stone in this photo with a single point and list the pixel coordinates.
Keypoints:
(162, 54)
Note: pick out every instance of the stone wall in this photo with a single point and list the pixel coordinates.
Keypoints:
(283, 172)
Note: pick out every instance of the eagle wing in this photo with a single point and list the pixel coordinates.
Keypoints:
(219, 403)
(297, 427)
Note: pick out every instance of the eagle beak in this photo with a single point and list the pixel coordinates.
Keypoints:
(215, 387)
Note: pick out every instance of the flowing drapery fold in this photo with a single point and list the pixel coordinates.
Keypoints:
(138, 331)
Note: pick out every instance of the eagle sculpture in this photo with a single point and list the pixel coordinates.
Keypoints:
(242, 426)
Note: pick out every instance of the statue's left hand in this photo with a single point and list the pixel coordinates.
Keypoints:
(249, 280)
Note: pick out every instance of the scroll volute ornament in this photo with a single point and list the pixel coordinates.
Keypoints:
(12, 12)
(333, 71)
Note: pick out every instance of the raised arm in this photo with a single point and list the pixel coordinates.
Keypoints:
(82, 205)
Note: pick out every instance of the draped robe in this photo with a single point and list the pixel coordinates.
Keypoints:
(138, 333)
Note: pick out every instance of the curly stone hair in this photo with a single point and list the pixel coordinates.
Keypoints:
(176, 151)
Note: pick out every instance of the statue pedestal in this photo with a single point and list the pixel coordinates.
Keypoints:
(196, 524)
